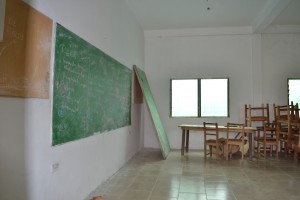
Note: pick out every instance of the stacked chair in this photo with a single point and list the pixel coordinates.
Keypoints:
(287, 120)
(280, 135)
(257, 116)
(269, 139)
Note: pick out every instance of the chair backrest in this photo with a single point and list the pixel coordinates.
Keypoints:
(270, 131)
(240, 127)
(298, 140)
(296, 113)
(256, 114)
(211, 129)
(280, 112)
(283, 113)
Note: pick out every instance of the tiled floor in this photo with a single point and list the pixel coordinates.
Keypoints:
(148, 177)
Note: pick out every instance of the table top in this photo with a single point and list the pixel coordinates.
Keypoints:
(220, 128)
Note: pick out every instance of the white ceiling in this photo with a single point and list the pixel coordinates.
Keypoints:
(186, 14)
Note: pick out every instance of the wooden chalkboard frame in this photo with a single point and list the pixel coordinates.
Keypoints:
(91, 90)
(160, 131)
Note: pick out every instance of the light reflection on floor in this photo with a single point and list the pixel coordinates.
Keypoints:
(148, 177)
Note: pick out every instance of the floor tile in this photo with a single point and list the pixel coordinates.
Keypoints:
(192, 196)
(166, 192)
(147, 176)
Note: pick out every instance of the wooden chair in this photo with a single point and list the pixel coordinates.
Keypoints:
(211, 139)
(270, 138)
(297, 143)
(296, 134)
(257, 116)
(286, 116)
(237, 141)
(280, 112)
(281, 115)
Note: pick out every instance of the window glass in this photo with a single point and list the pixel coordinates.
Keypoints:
(294, 91)
(214, 99)
(210, 100)
(184, 98)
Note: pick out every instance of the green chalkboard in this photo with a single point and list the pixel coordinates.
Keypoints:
(160, 131)
(91, 91)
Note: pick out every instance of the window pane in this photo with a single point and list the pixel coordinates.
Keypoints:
(214, 97)
(294, 90)
(184, 98)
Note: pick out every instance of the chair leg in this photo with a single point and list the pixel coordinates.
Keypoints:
(242, 152)
(285, 150)
(222, 149)
(281, 146)
(271, 150)
(227, 152)
(210, 150)
(296, 153)
(265, 151)
(204, 151)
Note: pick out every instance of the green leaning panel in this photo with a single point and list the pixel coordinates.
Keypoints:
(160, 131)
(91, 91)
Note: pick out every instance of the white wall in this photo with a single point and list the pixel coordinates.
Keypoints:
(257, 67)
(280, 60)
(25, 124)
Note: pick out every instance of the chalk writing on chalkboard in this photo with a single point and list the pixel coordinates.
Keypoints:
(92, 91)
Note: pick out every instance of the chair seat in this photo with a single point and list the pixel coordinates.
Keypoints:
(268, 140)
(259, 128)
(236, 140)
(257, 118)
(256, 138)
(220, 140)
(233, 139)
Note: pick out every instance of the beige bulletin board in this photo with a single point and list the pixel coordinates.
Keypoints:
(25, 52)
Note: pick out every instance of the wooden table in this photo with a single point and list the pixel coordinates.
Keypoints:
(187, 127)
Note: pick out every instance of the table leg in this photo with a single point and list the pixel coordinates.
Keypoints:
(251, 145)
(187, 140)
(182, 142)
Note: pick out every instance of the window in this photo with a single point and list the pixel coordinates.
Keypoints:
(294, 91)
(199, 97)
